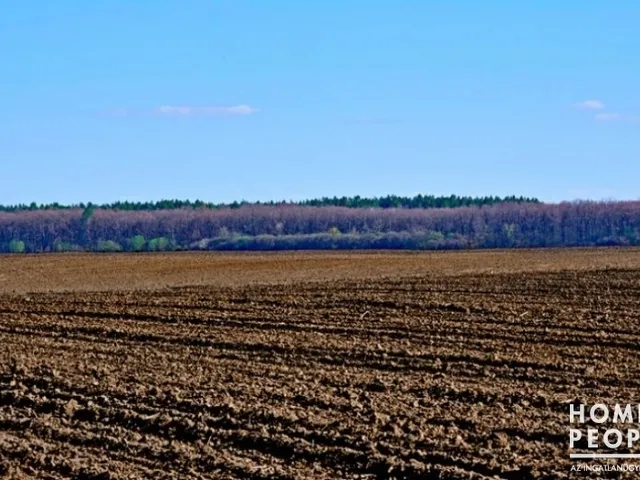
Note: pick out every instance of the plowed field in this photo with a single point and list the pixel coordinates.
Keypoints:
(283, 366)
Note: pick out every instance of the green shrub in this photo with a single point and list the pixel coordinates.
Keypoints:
(16, 246)
(160, 244)
(137, 243)
(108, 246)
(60, 246)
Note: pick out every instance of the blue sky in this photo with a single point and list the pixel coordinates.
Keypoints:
(228, 100)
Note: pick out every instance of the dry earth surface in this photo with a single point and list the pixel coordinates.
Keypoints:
(314, 365)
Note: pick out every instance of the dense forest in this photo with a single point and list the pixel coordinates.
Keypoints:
(294, 226)
(389, 201)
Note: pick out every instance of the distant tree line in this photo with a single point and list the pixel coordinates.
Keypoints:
(418, 201)
(389, 201)
(286, 226)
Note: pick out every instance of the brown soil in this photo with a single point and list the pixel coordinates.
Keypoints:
(91, 272)
(369, 365)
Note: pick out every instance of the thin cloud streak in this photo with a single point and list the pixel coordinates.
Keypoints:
(185, 111)
(608, 117)
(589, 105)
(213, 110)
(604, 116)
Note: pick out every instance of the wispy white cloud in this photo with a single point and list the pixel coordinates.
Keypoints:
(589, 105)
(608, 117)
(185, 111)
(597, 108)
(207, 110)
